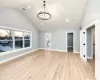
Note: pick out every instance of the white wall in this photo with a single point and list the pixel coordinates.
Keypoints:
(92, 12)
(13, 18)
(58, 39)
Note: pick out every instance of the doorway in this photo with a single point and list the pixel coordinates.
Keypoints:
(90, 45)
(69, 42)
(48, 40)
(94, 61)
(90, 42)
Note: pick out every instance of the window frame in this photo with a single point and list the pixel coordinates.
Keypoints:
(13, 40)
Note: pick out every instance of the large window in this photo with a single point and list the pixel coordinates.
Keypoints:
(14, 39)
(6, 42)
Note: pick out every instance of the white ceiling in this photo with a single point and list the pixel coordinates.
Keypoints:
(65, 13)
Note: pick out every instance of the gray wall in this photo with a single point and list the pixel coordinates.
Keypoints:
(13, 18)
(70, 39)
(58, 39)
(92, 12)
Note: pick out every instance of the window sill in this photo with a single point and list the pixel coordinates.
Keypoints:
(17, 50)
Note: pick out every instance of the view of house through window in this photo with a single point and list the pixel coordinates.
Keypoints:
(27, 39)
(18, 39)
(12, 40)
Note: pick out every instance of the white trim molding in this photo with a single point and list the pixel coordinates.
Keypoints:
(58, 50)
(53, 50)
(89, 57)
(77, 52)
(12, 58)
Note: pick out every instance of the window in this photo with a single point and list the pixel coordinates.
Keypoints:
(26, 39)
(18, 39)
(13, 39)
(6, 42)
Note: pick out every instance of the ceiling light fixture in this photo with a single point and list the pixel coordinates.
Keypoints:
(67, 20)
(44, 14)
(29, 6)
(42, 24)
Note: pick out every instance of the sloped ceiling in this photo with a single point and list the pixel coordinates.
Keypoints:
(65, 13)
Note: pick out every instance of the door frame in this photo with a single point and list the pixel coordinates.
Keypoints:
(45, 40)
(91, 57)
(96, 22)
(90, 26)
(85, 28)
(67, 40)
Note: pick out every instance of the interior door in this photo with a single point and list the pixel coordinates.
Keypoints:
(83, 54)
(48, 40)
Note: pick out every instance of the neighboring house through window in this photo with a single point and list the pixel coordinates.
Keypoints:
(11, 39)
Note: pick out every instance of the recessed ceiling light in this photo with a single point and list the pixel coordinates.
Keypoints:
(67, 20)
(42, 24)
(29, 6)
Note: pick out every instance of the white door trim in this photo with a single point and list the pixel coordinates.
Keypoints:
(85, 28)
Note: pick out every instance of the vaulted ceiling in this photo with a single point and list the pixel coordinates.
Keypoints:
(65, 13)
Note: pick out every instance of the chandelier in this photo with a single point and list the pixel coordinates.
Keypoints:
(44, 14)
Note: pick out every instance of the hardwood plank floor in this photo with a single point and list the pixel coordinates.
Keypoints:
(47, 65)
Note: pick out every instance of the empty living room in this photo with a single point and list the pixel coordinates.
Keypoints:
(49, 39)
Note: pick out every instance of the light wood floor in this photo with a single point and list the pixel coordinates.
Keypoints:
(47, 65)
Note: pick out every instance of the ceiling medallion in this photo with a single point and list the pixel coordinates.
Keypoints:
(44, 14)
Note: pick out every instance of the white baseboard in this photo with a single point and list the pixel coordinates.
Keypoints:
(54, 50)
(76, 52)
(17, 56)
(58, 50)
(89, 58)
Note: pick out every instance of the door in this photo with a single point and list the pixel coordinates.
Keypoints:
(83, 45)
(48, 40)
